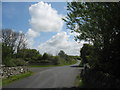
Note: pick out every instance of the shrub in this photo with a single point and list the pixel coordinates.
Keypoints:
(81, 64)
(20, 62)
(12, 62)
(9, 62)
(98, 79)
(44, 61)
(56, 60)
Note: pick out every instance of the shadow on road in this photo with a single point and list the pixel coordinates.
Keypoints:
(75, 66)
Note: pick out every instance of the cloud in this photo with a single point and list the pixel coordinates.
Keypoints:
(30, 42)
(31, 35)
(58, 42)
(44, 18)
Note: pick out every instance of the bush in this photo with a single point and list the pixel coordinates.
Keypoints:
(81, 63)
(44, 61)
(56, 60)
(28, 59)
(20, 62)
(9, 62)
(93, 78)
(12, 62)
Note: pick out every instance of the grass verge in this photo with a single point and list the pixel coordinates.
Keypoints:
(6, 81)
(0, 82)
(53, 65)
(78, 82)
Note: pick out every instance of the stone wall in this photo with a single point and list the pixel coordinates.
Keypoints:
(11, 71)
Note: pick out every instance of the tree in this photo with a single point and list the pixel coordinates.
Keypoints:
(39, 57)
(56, 60)
(89, 56)
(62, 54)
(28, 54)
(6, 54)
(95, 22)
(21, 42)
(98, 23)
(85, 52)
(45, 56)
(14, 40)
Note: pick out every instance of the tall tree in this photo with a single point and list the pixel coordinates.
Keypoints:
(14, 40)
(98, 23)
(95, 22)
(62, 53)
(45, 56)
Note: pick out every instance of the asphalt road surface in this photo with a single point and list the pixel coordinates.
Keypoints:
(49, 77)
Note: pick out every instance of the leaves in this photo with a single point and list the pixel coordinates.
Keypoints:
(98, 23)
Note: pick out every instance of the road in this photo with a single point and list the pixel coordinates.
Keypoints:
(52, 77)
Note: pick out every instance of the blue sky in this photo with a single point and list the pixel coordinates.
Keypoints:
(15, 15)
(27, 17)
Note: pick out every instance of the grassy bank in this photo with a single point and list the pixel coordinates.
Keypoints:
(6, 81)
(79, 82)
(0, 82)
(70, 63)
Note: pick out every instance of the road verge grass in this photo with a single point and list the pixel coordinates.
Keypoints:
(6, 81)
(0, 82)
(78, 82)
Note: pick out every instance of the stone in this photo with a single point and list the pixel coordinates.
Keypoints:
(10, 71)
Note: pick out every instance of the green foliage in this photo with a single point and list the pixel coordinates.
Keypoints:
(62, 54)
(56, 60)
(45, 56)
(12, 62)
(12, 39)
(20, 62)
(88, 55)
(97, 23)
(28, 54)
(12, 42)
(6, 53)
(81, 63)
(78, 82)
(9, 62)
(39, 57)
(24, 56)
(8, 58)
(45, 61)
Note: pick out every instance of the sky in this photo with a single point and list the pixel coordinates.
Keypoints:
(42, 24)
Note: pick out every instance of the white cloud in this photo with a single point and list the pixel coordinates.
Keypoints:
(44, 18)
(30, 42)
(58, 42)
(32, 33)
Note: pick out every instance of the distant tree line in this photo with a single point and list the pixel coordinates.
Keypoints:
(98, 24)
(16, 53)
(33, 57)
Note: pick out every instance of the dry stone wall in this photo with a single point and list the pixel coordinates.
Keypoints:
(11, 71)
